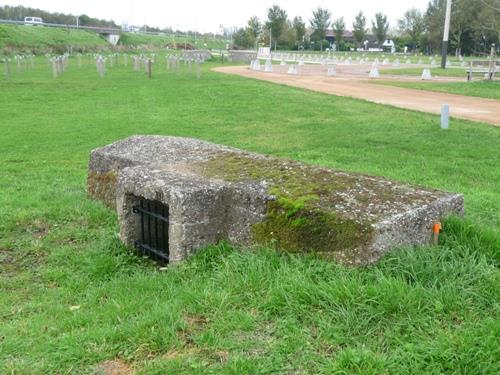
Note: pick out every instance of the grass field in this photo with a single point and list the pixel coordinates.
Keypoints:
(134, 39)
(73, 299)
(31, 37)
(436, 72)
(482, 89)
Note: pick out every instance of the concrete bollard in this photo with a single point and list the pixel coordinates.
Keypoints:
(426, 75)
(445, 116)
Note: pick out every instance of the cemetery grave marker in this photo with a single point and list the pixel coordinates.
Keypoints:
(269, 66)
(198, 68)
(7, 68)
(293, 69)
(374, 73)
(426, 75)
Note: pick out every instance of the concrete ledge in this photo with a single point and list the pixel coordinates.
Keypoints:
(219, 193)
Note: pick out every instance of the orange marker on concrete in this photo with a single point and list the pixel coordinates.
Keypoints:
(435, 232)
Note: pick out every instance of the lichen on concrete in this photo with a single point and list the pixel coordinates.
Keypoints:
(216, 192)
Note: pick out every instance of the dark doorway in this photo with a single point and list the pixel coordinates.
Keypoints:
(152, 234)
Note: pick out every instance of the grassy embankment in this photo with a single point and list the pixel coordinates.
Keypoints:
(73, 298)
(38, 38)
(19, 38)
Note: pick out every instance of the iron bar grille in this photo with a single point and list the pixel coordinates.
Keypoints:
(153, 227)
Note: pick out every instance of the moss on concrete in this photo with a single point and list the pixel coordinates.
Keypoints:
(103, 186)
(303, 216)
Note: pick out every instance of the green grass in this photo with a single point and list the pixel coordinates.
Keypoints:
(39, 39)
(73, 297)
(31, 37)
(482, 89)
(436, 72)
(138, 39)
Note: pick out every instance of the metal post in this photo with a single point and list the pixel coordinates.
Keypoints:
(492, 68)
(446, 34)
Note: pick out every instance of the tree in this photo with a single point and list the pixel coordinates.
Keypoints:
(380, 27)
(276, 23)
(359, 28)
(242, 38)
(288, 38)
(489, 20)
(338, 29)
(300, 29)
(17, 13)
(475, 25)
(412, 25)
(320, 23)
(254, 27)
(434, 17)
(461, 28)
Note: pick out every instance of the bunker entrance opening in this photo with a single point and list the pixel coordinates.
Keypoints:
(151, 229)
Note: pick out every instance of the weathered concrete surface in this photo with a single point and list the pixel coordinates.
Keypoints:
(215, 192)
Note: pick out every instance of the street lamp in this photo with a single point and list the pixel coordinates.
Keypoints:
(446, 34)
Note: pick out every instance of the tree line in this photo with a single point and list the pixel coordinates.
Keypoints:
(18, 13)
(475, 26)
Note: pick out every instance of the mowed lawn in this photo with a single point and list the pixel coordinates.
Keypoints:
(482, 89)
(74, 300)
(436, 72)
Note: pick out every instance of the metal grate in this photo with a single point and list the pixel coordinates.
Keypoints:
(153, 229)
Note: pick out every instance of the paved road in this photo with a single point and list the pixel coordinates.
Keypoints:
(466, 107)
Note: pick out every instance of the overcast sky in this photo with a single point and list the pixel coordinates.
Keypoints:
(208, 15)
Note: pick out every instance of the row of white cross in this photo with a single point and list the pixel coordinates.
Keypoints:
(59, 64)
(293, 69)
(23, 63)
(363, 59)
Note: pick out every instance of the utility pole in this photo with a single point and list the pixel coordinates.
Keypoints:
(446, 34)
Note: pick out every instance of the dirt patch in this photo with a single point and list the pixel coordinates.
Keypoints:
(8, 262)
(39, 229)
(196, 321)
(194, 324)
(114, 367)
(466, 107)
